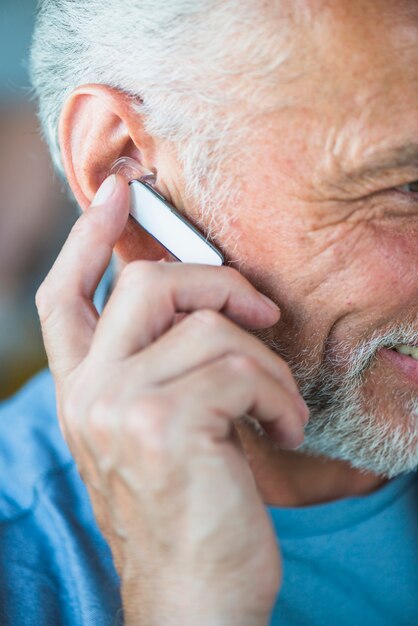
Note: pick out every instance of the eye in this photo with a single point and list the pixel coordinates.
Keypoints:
(409, 188)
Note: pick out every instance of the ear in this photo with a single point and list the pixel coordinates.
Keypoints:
(97, 126)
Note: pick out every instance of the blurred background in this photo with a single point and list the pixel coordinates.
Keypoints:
(35, 214)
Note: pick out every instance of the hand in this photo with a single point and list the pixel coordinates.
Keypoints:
(147, 405)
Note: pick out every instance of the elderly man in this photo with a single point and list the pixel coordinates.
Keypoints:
(284, 131)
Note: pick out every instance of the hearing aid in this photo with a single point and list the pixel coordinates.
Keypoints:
(161, 220)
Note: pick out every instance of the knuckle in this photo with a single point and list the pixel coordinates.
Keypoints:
(97, 421)
(89, 224)
(83, 226)
(44, 300)
(208, 317)
(70, 416)
(243, 364)
(233, 273)
(285, 374)
(95, 428)
(234, 276)
(147, 422)
(294, 439)
(138, 272)
(71, 404)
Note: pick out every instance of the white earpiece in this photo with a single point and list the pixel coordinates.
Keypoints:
(161, 220)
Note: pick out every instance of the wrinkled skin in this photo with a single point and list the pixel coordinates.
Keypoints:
(325, 227)
(338, 250)
(322, 226)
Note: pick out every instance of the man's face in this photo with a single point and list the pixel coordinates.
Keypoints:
(326, 228)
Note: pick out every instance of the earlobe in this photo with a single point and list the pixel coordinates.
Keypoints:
(97, 126)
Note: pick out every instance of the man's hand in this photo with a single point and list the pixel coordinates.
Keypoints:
(147, 401)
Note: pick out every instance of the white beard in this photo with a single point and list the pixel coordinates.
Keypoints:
(340, 427)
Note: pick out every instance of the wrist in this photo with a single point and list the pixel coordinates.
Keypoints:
(169, 600)
(172, 617)
(166, 611)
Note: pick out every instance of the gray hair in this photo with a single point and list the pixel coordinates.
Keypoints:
(345, 423)
(195, 69)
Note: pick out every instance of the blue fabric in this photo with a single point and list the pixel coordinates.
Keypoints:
(56, 568)
(350, 562)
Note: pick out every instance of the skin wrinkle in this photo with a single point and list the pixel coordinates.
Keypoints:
(300, 359)
(349, 154)
(327, 243)
(380, 435)
(378, 168)
(350, 142)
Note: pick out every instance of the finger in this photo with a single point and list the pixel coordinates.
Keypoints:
(198, 339)
(228, 388)
(148, 295)
(64, 300)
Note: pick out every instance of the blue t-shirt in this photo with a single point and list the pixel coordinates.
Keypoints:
(352, 562)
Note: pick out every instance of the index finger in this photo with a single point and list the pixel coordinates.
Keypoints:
(148, 296)
(65, 298)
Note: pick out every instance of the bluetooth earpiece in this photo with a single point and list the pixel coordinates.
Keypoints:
(161, 220)
(132, 169)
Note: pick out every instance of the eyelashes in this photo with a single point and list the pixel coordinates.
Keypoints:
(410, 189)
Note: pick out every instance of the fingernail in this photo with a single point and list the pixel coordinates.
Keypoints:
(269, 302)
(105, 191)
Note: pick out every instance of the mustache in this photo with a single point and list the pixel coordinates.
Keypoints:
(357, 359)
(350, 359)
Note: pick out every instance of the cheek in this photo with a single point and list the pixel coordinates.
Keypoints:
(357, 277)
(381, 274)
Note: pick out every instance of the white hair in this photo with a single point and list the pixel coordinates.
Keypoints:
(195, 69)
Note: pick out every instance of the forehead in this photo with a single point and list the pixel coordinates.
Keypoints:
(352, 48)
(350, 83)
(380, 35)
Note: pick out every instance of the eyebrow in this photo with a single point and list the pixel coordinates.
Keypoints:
(399, 157)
